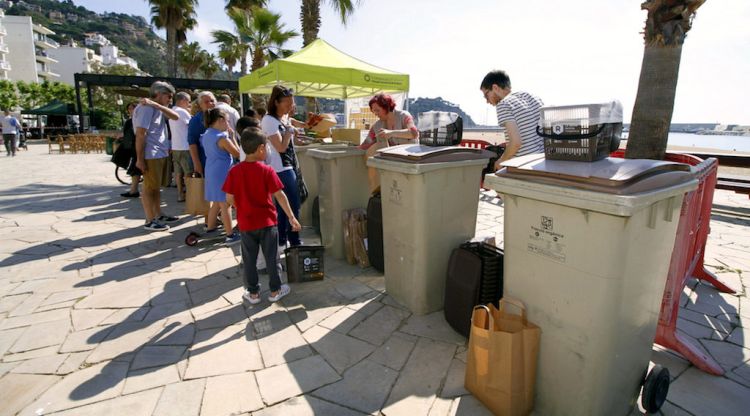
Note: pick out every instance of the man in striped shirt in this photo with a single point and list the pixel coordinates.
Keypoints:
(517, 116)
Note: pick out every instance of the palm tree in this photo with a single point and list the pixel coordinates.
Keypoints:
(210, 66)
(310, 16)
(667, 24)
(176, 16)
(267, 37)
(232, 48)
(245, 4)
(191, 58)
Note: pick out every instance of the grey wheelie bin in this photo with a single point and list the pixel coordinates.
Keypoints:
(587, 248)
(342, 185)
(430, 197)
(310, 174)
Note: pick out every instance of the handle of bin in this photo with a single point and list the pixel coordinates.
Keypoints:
(489, 316)
(569, 136)
(515, 302)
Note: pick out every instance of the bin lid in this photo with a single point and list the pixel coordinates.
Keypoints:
(419, 159)
(335, 152)
(416, 153)
(610, 175)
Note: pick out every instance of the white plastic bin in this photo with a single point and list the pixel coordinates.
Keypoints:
(429, 208)
(587, 248)
(342, 185)
(310, 174)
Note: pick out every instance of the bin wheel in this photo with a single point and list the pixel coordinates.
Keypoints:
(655, 389)
(191, 239)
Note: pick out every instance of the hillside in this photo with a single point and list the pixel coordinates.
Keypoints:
(131, 34)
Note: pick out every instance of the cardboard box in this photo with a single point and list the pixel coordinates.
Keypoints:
(346, 135)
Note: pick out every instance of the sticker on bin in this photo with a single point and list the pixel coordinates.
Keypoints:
(544, 241)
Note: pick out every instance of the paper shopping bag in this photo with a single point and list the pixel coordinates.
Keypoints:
(502, 358)
(195, 203)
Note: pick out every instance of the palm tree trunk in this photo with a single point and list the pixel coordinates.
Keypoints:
(652, 112)
(310, 19)
(172, 51)
(259, 100)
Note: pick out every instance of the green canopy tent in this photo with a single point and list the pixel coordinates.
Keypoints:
(320, 70)
(53, 108)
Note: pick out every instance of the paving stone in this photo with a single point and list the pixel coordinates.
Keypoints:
(34, 319)
(18, 390)
(433, 326)
(454, 381)
(135, 297)
(703, 394)
(8, 338)
(126, 315)
(231, 394)
(29, 355)
(727, 354)
(223, 351)
(352, 289)
(341, 351)
(8, 303)
(63, 305)
(441, 407)
(346, 319)
(716, 324)
(380, 325)
(177, 332)
(90, 385)
(85, 340)
(695, 330)
(221, 318)
(66, 296)
(669, 409)
(204, 308)
(41, 365)
(395, 351)
(89, 318)
(73, 363)
(5, 368)
(671, 361)
(156, 356)
(306, 406)
(708, 300)
(166, 310)
(148, 378)
(740, 336)
(468, 406)
(42, 335)
(421, 378)
(123, 339)
(181, 399)
(28, 305)
(139, 404)
(280, 342)
(364, 387)
(288, 380)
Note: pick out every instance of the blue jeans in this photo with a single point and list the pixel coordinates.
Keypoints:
(252, 241)
(289, 180)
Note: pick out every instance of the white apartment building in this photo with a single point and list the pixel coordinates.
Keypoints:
(71, 60)
(4, 64)
(28, 46)
(96, 39)
(111, 56)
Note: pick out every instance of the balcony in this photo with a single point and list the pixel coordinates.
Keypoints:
(42, 57)
(4, 66)
(46, 43)
(47, 74)
(3, 48)
(3, 32)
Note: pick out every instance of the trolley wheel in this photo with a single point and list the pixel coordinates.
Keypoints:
(655, 389)
(191, 239)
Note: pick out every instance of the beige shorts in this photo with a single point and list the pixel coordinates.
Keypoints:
(183, 164)
(156, 175)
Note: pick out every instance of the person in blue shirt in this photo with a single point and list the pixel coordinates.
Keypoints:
(196, 128)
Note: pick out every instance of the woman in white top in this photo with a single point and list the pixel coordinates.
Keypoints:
(281, 156)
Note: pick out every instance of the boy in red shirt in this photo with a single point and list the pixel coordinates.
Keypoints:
(249, 187)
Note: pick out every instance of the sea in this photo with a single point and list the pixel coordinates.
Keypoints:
(711, 141)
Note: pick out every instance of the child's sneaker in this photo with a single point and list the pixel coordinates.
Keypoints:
(253, 299)
(154, 225)
(232, 239)
(283, 291)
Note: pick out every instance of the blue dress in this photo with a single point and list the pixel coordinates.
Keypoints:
(218, 162)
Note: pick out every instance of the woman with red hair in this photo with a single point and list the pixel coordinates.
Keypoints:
(392, 128)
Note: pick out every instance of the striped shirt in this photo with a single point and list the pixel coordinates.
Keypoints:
(523, 109)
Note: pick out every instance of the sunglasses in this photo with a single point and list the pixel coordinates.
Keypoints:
(287, 92)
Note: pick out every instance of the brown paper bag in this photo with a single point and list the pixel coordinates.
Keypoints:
(195, 203)
(502, 358)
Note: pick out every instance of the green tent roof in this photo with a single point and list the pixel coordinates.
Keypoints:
(53, 108)
(320, 70)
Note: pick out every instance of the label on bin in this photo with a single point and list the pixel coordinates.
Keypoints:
(395, 193)
(544, 241)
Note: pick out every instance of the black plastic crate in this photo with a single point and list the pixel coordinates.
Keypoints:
(491, 285)
(304, 263)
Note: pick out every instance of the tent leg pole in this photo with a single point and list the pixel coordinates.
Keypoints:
(90, 99)
(78, 101)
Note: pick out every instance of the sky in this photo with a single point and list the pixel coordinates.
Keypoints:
(566, 52)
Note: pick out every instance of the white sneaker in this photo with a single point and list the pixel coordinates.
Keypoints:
(283, 291)
(249, 297)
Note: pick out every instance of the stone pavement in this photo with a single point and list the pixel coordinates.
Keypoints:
(98, 316)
